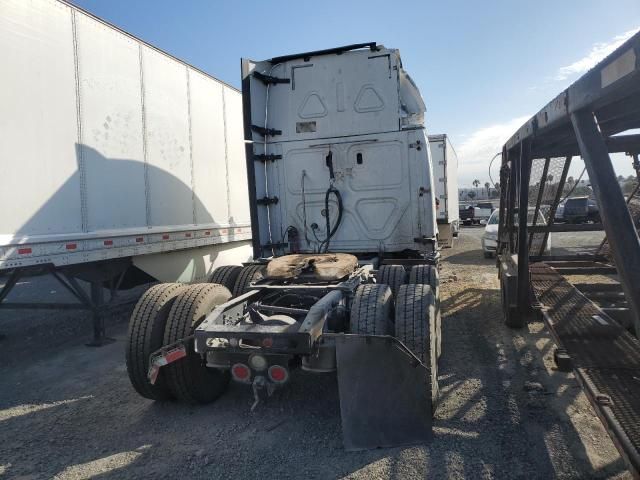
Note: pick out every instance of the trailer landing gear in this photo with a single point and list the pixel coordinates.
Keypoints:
(98, 275)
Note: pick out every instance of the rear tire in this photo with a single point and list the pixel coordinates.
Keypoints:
(425, 274)
(428, 275)
(371, 310)
(247, 275)
(392, 275)
(189, 379)
(416, 327)
(226, 276)
(146, 335)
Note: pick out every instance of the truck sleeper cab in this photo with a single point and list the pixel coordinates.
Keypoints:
(344, 236)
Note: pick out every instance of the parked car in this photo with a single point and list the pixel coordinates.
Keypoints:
(467, 215)
(559, 215)
(476, 215)
(490, 236)
(581, 210)
(483, 212)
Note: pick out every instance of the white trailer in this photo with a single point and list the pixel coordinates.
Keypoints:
(445, 173)
(113, 154)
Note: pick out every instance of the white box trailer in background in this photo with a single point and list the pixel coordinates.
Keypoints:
(445, 173)
(113, 154)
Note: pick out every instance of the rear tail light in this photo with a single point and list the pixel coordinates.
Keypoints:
(278, 374)
(241, 372)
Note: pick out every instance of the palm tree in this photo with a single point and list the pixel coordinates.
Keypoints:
(476, 183)
(487, 185)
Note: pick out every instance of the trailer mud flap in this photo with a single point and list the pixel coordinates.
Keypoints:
(385, 393)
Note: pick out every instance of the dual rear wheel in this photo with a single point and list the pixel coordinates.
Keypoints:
(169, 312)
(395, 276)
(408, 311)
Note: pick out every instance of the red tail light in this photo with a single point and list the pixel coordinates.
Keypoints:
(241, 372)
(278, 374)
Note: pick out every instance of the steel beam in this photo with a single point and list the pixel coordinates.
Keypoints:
(567, 227)
(524, 169)
(11, 282)
(617, 221)
(541, 188)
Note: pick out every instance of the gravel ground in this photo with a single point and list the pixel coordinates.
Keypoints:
(68, 411)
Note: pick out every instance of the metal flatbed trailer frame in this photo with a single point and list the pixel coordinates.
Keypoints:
(592, 323)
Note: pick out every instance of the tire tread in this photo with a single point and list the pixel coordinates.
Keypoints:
(185, 377)
(225, 275)
(416, 327)
(371, 309)
(146, 334)
(247, 274)
(392, 275)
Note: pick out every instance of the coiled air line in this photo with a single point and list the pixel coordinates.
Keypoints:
(331, 190)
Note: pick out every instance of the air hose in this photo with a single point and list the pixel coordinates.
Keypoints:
(331, 231)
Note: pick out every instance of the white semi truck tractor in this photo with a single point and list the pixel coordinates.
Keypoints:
(344, 236)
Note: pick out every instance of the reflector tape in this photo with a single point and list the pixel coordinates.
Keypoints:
(174, 355)
(71, 246)
(165, 237)
(24, 251)
(164, 357)
(139, 239)
(108, 243)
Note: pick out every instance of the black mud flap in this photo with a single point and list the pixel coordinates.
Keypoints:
(385, 393)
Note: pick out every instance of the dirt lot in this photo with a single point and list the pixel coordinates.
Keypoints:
(68, 411)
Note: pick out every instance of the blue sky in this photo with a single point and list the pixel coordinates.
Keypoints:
(483, 67)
